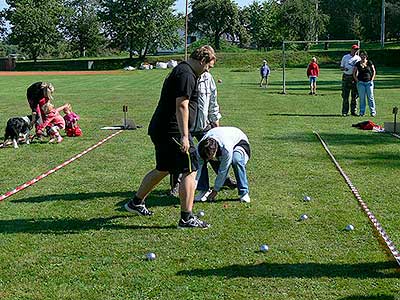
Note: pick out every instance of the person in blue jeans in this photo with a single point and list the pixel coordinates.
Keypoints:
(230, 147)
(364, 74)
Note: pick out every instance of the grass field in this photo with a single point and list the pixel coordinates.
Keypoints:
(67, 237)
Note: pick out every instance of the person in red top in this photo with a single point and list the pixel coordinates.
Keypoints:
(53, 122)
(312, 74)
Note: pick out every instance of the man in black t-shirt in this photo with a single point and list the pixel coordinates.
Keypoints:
(169, 130)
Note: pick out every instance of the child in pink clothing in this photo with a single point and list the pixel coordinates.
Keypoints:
(53, 122)
(71, 121)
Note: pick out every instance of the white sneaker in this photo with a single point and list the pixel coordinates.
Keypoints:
(245, 198)
(202, 196)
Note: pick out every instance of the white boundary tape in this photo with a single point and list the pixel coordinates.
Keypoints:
(40, 177)
(371, 216)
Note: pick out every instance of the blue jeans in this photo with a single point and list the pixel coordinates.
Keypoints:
(366, 89)
(239, 161)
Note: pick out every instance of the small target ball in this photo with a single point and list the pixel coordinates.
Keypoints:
(303, 217)
(264, 248)
(201, 213)
(219, 80)
(150, 256)
(349, 227)
(307, 198)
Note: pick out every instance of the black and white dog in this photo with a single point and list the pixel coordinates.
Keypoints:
(16, 127)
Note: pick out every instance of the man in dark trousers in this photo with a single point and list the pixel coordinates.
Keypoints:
(169, 131)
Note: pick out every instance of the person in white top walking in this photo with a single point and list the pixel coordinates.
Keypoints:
(230, 147)
(348, 84)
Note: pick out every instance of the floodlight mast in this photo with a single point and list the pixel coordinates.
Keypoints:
(305, 42)
(186, 31)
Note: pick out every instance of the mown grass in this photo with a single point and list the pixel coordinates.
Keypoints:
(67, 236)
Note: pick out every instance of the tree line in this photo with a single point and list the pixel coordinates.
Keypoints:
(78, 28)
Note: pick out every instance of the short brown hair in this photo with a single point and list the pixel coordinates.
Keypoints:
(205, 53)
(207, 148)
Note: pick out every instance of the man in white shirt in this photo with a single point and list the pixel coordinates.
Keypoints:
(230, 146)
(348, 85)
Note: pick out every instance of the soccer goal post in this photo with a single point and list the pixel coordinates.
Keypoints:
(284, 43)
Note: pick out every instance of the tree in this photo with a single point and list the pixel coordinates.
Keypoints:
(393, 19)
(302, 20)
(34, 25)
(262, 23)
(141, 25)
(82, 26)
(213, 18)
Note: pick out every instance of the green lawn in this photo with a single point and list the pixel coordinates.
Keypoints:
(67, 237)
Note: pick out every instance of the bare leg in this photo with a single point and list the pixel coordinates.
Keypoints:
(186, 191)
(149, 182)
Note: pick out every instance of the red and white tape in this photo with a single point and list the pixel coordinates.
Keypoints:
(40, 177)
(371, 216)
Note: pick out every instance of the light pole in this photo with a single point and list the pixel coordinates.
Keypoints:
(186, 30)
(383, 25)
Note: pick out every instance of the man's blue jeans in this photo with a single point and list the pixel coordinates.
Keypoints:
(366, 89)
(239, 161)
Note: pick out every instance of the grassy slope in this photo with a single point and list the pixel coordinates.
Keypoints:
(67, 238)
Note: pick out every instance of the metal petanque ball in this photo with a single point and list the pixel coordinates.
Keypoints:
(150, 256)
(201, 213)
(303, 217)
(307, 198)
(349, 227)
(264, 248)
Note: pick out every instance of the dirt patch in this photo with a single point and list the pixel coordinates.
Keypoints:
(31, 73)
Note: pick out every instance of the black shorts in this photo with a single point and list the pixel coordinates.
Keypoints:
(169, 156)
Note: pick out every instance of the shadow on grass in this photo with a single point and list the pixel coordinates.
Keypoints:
(305, 115)
(359, 138)
(377, 297)
(304, 270)
(67, 226)
(156, 198)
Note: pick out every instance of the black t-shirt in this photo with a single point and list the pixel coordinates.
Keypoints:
(181, 82)
(364, 73)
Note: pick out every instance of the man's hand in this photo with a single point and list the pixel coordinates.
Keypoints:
(185, 145)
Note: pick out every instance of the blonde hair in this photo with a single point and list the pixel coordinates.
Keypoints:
(48, 90)
(47, 107)
(204, 53)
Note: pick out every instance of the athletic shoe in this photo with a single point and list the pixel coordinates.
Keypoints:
(139, 209)
(202, 196)
(193, 222)
(344, 115)
(174, 192)
(245, 198)
(310, 93)
(230, 184)
(373, 114)
(354, 114)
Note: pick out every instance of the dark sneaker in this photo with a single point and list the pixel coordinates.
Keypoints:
(193, 222)
(230, 184)
(140, 209)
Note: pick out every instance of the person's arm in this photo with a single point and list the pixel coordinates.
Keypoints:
(225, 163)
(213, 109)
(317, 70)
(373, 72)
(182, 117)
(355, 73)
(342, 65)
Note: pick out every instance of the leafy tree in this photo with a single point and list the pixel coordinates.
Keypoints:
(393, 19)
(34, 25)
(262, 23)
(141, 25)
(302, 20)
(213, 18)
(82, 26)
